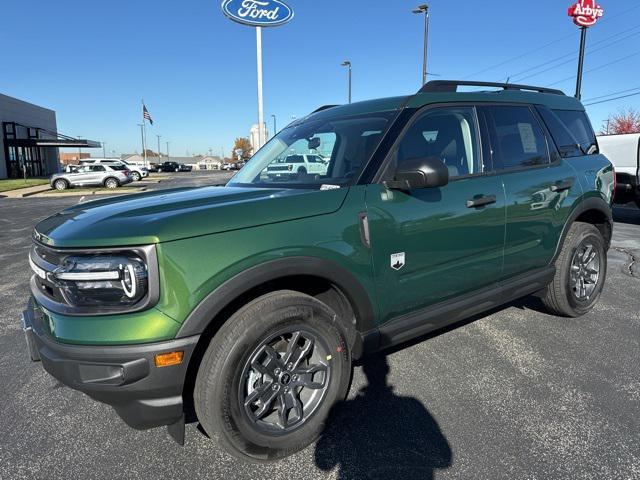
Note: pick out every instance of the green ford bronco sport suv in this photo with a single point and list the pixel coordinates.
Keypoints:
(243, 307)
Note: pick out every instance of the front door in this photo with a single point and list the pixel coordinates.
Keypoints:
(431, 245)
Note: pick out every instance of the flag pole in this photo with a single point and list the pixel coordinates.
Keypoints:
(144, 136)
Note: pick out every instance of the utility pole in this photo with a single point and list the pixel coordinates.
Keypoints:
(424, 9)
(168, 151)
(347, 63)
(275, 129)
(104, 149)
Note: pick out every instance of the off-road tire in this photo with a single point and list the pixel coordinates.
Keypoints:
(558, 297)
(218, 384)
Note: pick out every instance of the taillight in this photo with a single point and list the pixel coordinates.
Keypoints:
(615, 184)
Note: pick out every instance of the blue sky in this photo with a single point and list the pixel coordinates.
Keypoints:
(92, 62)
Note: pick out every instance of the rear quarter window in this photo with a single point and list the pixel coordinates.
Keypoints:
(579, 125)
(567, 144)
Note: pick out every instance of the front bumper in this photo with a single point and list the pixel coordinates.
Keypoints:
(125, 377)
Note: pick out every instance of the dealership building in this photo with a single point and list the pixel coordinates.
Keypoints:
(29, 140)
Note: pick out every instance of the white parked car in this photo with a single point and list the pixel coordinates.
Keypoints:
(297, 165)
(624, 152)
(137, 172)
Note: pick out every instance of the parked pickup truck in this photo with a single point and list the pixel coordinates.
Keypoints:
(244, 307)
(624, 152)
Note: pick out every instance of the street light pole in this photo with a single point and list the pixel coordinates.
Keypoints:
(347, 63)
(168, 151)
(420, 10)
(104, 149)
(275, 129)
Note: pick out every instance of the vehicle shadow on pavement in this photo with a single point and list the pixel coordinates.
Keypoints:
(381, 435)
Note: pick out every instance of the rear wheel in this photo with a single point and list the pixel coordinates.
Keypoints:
(581, 270)
(60, 184)
(270, 376)
(111, 183)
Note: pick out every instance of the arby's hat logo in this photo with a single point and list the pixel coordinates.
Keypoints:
(586, 13)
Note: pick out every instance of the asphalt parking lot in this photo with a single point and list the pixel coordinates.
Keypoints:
(510, 395)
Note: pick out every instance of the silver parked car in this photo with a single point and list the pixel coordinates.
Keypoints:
(93, 175)
(137, 172)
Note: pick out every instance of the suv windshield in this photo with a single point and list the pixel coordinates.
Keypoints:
(314, 152)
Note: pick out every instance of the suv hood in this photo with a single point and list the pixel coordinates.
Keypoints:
(167, 215)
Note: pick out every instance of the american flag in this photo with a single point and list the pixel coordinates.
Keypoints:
(146, 114)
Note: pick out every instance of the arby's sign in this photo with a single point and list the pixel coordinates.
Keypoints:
(586, 13)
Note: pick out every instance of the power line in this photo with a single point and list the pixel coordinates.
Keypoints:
(611, 94)
(573, 54)
(596, 68)
(553, 42)
(612, 99)
(518, 57)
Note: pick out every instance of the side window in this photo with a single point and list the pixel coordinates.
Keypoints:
(578, 124)
(517, 139)
(97, 168)
(450, 134)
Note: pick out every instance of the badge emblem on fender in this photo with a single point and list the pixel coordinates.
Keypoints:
(397, 260)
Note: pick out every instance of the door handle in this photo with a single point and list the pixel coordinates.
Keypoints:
(562, 185)
(481, 201)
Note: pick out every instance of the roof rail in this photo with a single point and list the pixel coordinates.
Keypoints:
(324, 107)
(440, 86)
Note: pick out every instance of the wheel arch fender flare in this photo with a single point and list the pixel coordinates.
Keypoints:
(597, 204)
(216, 301)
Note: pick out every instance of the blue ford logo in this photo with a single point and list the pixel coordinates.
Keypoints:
(258, 13)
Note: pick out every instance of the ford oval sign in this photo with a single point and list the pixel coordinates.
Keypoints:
(258, 13)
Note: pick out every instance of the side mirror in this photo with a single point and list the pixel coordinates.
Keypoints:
(424, 172)
(313, 143)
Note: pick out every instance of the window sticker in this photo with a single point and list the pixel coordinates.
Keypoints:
(528, 138)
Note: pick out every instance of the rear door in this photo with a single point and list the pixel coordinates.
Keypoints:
(434, 244)
(540, 187)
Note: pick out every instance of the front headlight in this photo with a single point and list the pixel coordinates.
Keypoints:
(95, 282)
(102, 280)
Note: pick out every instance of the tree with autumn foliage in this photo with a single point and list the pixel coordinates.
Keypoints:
(625, 121)
(242, 143)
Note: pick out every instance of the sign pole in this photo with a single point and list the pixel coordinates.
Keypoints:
(261, 132)
(583, 42)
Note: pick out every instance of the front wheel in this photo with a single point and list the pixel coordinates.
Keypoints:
(581, 269)
(270, 376)
(136, 176)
